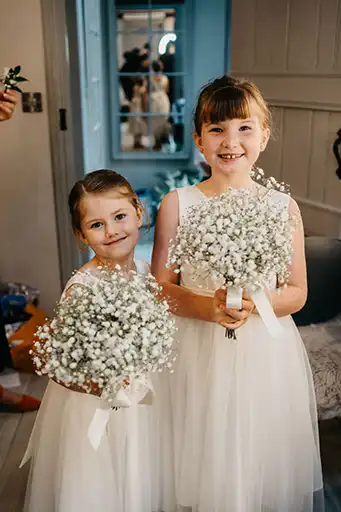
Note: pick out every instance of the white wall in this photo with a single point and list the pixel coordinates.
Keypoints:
(28, 242)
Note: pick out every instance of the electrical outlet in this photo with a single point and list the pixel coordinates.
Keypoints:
(32, 102)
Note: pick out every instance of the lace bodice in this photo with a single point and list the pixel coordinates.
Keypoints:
(189, 196)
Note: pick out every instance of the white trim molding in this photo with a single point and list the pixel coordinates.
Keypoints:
(318, 206)
(59, 22)
(304, 105)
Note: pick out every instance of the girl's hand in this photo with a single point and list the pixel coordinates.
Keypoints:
(248, 303)
(220, 314)
(8, 102)
(233, 318)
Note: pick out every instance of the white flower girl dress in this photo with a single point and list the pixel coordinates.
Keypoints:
(244, 413)
(123, 475)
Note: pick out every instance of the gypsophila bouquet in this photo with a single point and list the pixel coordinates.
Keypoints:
(11, 77)
(110, 332)
(242, 238)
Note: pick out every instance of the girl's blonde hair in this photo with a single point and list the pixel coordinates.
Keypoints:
(94, 183)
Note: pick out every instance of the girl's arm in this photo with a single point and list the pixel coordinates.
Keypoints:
(294, 296)
(184, 302)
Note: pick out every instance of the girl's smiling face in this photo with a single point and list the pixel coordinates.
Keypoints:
(233, 145)
(110, 226)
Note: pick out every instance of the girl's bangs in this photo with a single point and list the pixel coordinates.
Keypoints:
(226, 103)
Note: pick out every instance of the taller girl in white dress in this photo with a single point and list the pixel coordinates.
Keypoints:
(244, 416)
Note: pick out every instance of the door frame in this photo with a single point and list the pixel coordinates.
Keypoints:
(59, 20)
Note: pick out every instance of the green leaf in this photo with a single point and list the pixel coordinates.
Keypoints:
(15, 88)
(21, 79)
(17, 70)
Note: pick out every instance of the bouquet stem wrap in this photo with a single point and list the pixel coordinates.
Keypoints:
(234, 297)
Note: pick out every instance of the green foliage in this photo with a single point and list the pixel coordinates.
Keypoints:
(170, 180)
(11, 77)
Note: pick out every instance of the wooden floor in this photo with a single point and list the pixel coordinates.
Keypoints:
(15, 430)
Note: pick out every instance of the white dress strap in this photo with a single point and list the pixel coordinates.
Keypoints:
(187, 196)
(82, 278)
(281, 198)
(142, 267)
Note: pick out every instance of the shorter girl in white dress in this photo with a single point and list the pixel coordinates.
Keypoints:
(67, 474)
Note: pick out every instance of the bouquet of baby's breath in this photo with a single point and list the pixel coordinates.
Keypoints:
(241, 238)
(116, 330)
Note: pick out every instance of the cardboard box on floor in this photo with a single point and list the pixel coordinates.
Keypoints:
(21, 341)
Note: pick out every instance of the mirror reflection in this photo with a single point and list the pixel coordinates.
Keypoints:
(151, 76)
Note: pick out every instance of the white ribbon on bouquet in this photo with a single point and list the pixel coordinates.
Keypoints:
(262, 303)
(139, 392)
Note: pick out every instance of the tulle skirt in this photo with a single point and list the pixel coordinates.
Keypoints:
(244, 421)
(233, 429)
(132, 470)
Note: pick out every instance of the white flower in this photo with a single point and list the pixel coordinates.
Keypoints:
(4, 74)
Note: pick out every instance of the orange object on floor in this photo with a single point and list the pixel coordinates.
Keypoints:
(25, 403)
(22, 340)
